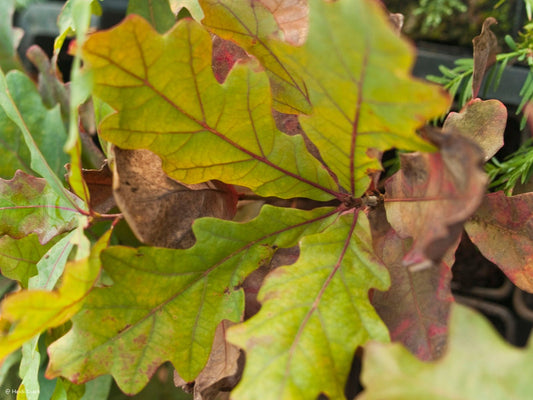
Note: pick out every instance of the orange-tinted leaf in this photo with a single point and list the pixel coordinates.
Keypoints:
(481, 121)
(432, 195)
(292, 17)
(502, 229)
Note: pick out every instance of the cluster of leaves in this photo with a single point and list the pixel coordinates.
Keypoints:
(434, 11)
(244, 151)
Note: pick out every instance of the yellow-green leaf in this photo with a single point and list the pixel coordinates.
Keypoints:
(314, 315)
(32, 311)
(478, 365)
(169, 102)
(165, 304)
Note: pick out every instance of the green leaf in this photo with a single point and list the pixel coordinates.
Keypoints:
(32, 311)
(314, 315)
(29, 205)
(166, 304)
(252, 26)
(169, 102)
(357, 70)
(46, 127)
(157, 12)
(66, 20)
(19, 257)
(9, 37)
(478, 364)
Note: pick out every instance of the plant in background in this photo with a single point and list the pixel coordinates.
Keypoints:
(243, 149)
(434, 11)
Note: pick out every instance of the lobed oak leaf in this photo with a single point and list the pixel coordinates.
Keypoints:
(433, 194)
(157, 12)
(477, 365)
(416, 307)
(32, 311)
(314, 315)
(169, 102)
(29, 205)
(502, 229)
(483, 122)
(165, 304)
(160, 210)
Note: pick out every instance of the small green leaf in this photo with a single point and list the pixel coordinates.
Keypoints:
(169, 102)
(166, 304)
(19, 257)
(9, 37)
(315, 313)
(157, 12)
(46, 128)
(66, 20)
(29, 205)
(478, 365)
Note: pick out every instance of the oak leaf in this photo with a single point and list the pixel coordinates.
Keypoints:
(485, 51)
(502, 229)
(391, 373)
(433, 194)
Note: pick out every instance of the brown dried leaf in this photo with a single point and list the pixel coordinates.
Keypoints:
(416, 307)
(397, 20)
(485, 51)
(502, 229)
(432, 196)
(223, 369)
(160, 210)
(100, 185)
(481, 121)
(292, 17)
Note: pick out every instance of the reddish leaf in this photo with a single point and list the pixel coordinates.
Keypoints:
(160, 210)
(416, 307)
(225, 55)
(481, 121)
(502, 229)
(100, 185)
(485, 50)
(432, 195)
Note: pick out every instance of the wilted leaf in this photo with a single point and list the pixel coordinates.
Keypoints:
(46, 127)
(357, 72)
(160, 210)
(157, 12)
(19, 257)
(28, 205)
(100, 185)
(292, 18)
(222, 371)
(314, 315)
(9, 37)
(478, 365)
(169, 102)
(481, 121)
(165, 304)
(502, 229)
(416, 307)
(432, 195)
(32, 311)
(485, 51)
